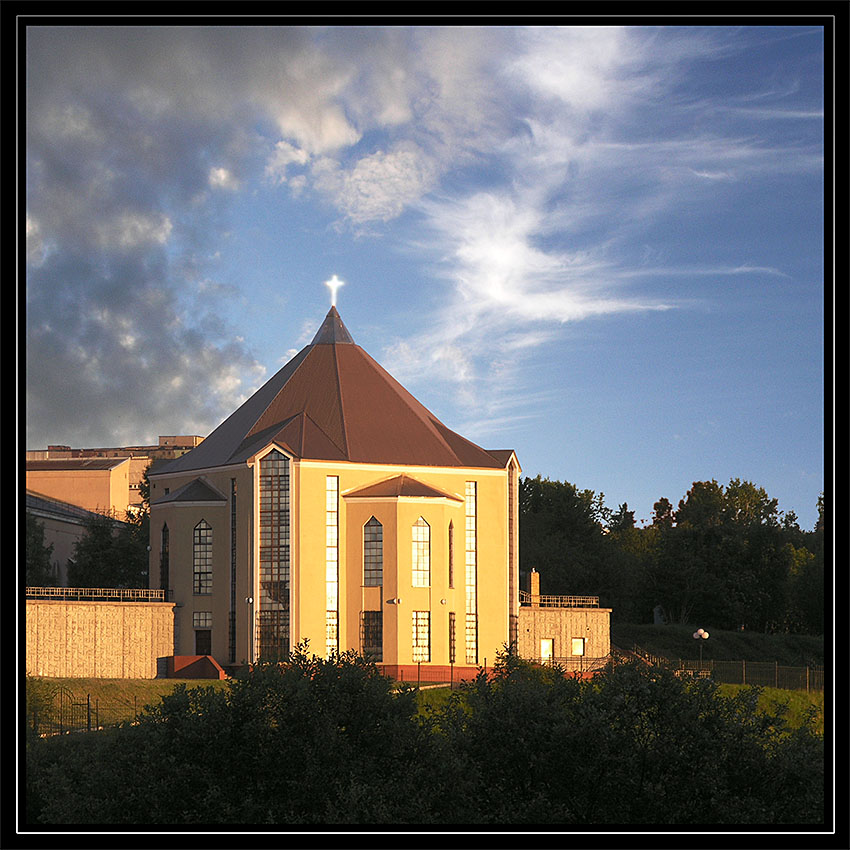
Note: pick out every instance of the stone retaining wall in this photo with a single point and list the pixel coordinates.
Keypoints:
(106, 640)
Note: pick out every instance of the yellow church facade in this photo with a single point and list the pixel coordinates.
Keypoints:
(333, 507)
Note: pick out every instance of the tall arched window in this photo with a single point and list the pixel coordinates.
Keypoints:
(202, 558)
(421, 553)
(373, 553)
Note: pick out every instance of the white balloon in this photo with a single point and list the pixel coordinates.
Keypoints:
(696, 635)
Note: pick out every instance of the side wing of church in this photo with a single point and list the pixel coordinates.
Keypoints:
(333, 507)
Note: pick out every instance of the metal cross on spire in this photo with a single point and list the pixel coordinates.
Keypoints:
(334, 284)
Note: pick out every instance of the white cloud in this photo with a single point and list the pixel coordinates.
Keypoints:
(222, 178)
(378, 186)
(584, 68)
(284, 155)
(132, 230)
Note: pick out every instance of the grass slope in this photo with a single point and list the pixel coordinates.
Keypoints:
(675, 641)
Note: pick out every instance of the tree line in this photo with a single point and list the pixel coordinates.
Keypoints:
(329, 741)
(724, 555)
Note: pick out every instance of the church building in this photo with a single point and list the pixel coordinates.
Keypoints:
(335, 508)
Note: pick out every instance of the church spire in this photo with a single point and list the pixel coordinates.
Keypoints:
(332, 331)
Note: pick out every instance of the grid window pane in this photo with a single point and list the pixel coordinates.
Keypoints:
(471, 566)
(373, 553)
(421, 621)
(421, 553)
(372, 635)
(273, 614)
(202, 558)
(332, 563)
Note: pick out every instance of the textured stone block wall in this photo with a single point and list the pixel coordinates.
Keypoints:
(106, 640)
(561, 625)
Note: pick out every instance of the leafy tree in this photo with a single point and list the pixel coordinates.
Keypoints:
(39, 566)
(662, 514)
(746, 504)
(622, 519)
(561, 535)
(111, 553)
(702, 506)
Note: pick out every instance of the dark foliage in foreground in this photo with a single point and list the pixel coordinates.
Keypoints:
(321, 742)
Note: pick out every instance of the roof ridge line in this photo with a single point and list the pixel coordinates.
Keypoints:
(393, 384)
(271, 400)
(319, 427)
(341, 403)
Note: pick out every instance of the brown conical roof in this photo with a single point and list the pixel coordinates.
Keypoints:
(333, 402)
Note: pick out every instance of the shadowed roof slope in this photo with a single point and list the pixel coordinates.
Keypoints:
(333, 402)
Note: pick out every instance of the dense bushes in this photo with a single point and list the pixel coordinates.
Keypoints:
(321, 742)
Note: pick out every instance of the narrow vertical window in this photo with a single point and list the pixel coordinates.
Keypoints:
(421, 621)
(273, 613)
(513, 565)
(451, 554)
(372, 635)
(452, 636)
(373, 553)
(202, 558)
(471, 572)
(421, 553)
(163, 558)
(332, 564)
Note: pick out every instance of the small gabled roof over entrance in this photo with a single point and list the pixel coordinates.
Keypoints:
(333, 402)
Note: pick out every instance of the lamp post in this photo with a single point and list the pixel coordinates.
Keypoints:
(700, 635)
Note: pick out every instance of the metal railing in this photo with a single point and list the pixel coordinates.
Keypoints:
(577, 663)
(763, 674)
(526, 598)
(98, 594)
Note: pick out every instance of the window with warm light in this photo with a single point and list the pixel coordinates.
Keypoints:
(421, 553)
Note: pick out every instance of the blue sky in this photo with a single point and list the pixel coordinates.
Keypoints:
(599, 246)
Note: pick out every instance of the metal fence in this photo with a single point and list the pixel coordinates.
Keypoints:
(69, 712)
(99, 594)
(763, 674)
